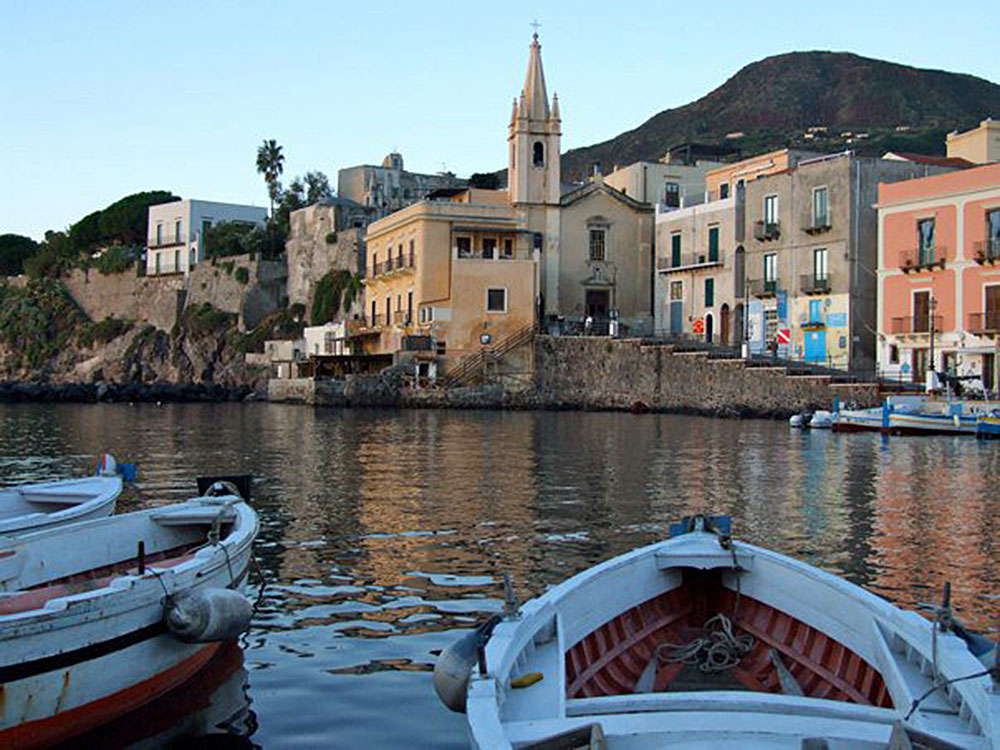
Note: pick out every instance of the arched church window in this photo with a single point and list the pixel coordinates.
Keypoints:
(538, 155)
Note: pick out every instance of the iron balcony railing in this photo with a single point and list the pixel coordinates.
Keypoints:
(916, 258)
(916, 324)
(398, 263)
(766, 230)
(689, 260)
(818, 225)
(763, 287)
(987, 251)
(987, 322)
(401, 317)
(811, 283)
(496, 254)
(167, 241)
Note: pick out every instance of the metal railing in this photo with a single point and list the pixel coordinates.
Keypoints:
(401, 317)
(689, 260)
(916, 324)
(819, 224)
(916, 258)
(987, 250)
(398, 263)
(496, 254)
(987, 322)
(811, 283)
(763, 287)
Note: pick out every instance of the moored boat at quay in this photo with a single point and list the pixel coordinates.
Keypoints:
(703, 641)
(101, 617)
(41, 505)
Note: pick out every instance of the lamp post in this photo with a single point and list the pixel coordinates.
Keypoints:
(932, 377)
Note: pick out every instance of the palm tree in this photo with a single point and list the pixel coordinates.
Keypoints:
(271, 163)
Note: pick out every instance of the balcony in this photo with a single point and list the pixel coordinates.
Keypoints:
(766, 230)
(688, 262)
(399, 263)
(916, 324)
(985, 323)
(917, 259)
(498, 254)
(401, 318)
(819, 225)
(171, 241)
(763, 287)
(987, 251)
(811, 283)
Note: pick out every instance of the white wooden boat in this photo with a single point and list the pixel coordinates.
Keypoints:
(805, 659)
(42, 505)
(931, 423)
(101, 617)
(821, 420)
(858, 420)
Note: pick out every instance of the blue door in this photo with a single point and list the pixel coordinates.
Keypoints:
(815, 346)
(815, 311)
(677, 317)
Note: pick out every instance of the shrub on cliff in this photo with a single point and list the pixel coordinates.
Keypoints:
(242, 275)
(204, 320)
(336, 287)
(37, 322)
(115, 259)
(101, 333)
(232, 238)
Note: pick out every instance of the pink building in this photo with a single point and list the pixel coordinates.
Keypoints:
(939, 275)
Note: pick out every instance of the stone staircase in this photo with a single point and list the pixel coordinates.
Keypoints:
(480, 365)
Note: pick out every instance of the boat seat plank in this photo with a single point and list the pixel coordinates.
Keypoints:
(194, 516)
(36, 598)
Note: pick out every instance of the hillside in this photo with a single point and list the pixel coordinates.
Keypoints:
(773, 102)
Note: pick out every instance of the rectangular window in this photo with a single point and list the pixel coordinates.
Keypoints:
(426, 314)
(770, 268)
(374, 313)
(177, 231)
(921, 312)
(821, 216)
(675, 249)
(993, 234)
(464, 245)
(713, 244)
(508, 247)
(206, 224)
(819, 264)
(400, 256)
(893, 354)
(925, 240)
(489, 247)
(496, 300)
(409, 307)
(597, 244)
(676, 291)
(671, 195)
(771, 210)
(388, 310)
(537, 238)
(709, 292)
(723, 191)
(412, 245)
(771, 325)
(159, 234)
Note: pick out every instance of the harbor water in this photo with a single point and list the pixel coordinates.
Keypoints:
(384, 534)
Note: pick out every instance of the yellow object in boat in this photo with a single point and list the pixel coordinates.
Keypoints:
(526, 680)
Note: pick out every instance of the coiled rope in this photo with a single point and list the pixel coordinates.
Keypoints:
(718, 650)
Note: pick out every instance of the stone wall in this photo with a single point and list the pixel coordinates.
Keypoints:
(597, 373)
(151, 299)
(219, 285)
(311, 256)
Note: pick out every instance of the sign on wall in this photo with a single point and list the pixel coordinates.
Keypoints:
(698, 325)
(836, 320)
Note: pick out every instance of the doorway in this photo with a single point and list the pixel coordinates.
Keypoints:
(597, 303)
(921, 357)
(709, 327)
(724, 325)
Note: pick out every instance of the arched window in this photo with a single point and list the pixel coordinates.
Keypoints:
(538, 154)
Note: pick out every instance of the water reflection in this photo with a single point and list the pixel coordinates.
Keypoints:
(383, 532)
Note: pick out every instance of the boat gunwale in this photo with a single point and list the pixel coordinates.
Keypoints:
(41, 520)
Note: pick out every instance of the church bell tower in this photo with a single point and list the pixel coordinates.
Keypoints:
(533, 138)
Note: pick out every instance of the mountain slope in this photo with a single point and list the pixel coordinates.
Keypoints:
(774, 100)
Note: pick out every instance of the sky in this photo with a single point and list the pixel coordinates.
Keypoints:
(101, 99)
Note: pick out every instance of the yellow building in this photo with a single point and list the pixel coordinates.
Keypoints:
(467, 268)
(980, 145)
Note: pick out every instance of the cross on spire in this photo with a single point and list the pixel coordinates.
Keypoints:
(535, 25)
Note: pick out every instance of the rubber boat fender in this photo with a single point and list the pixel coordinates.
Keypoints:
(454, 665)
(207, 616)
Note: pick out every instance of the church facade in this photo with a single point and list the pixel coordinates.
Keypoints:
(466, 268)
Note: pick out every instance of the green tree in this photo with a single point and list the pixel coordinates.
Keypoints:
(317, 187)
(485, 180)
(271, 163)
(14, 250)
(121, 223)
(233, 238)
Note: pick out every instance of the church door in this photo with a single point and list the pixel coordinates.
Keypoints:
(724, 326)
(597, 303)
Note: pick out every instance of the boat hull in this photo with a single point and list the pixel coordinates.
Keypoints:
(931, 424)
(988, 427)
(39, 506)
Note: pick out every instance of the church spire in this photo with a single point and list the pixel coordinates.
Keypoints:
(534, 83)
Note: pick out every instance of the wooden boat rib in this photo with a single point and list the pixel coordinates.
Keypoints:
(88, 636)
(41, 505)
(828, 660)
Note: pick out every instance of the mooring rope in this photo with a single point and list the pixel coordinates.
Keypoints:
(718, 650)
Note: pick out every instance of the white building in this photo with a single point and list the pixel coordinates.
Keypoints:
(175, 231)
(329, 339)
(676, 181)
